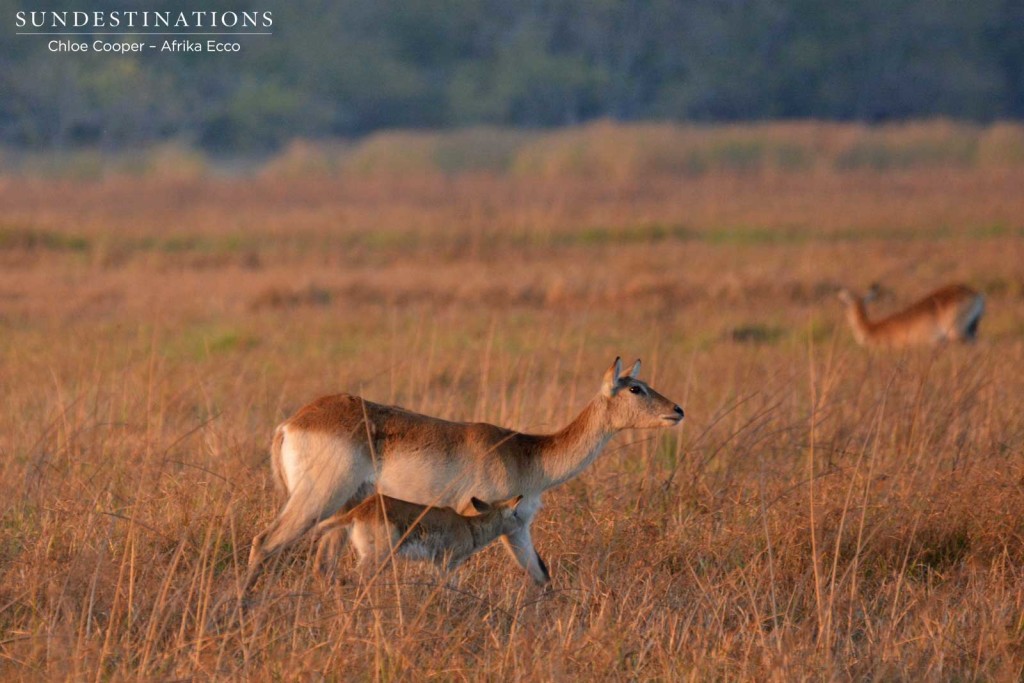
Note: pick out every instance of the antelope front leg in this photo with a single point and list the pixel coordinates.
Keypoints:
(520, 544)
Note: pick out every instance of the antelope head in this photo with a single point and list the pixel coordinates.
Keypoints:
(633, 404)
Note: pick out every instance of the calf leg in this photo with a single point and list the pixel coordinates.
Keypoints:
(328, 551)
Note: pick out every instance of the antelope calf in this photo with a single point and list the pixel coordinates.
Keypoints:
(380, 526)
(337, 450)
(951, 313)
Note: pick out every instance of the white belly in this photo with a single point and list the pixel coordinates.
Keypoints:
(418, 480)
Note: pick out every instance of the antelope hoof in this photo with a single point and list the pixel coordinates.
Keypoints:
(545, 577)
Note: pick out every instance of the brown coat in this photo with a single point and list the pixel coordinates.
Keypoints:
(951, 313)
(381, 526)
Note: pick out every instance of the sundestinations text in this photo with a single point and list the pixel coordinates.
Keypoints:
(124, 19)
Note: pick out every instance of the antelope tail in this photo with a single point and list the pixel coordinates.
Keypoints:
(280, 485)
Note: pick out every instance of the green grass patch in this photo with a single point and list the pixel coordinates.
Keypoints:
(204, 341)
(667, 453)
(203, 244)
(995, 230)
(628, 234)
(31, 239)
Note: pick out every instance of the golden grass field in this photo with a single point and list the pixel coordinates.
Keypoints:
(824, 511)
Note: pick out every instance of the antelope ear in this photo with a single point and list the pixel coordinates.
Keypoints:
(636, 369)
(479, 505)
(611, 378)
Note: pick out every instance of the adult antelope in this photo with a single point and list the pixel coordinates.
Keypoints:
(335, 451)
(951, 313)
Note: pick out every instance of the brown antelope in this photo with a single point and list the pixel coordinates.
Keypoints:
(380, 526)
(335, 451)
(951, 313)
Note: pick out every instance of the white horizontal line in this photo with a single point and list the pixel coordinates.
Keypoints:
(145, 33)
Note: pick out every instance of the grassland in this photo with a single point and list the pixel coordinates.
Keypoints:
(824, 512)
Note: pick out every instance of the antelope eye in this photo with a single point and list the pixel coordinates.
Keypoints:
(635, 389)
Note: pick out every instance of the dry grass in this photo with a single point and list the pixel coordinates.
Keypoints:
(824, 512)
(601, 151)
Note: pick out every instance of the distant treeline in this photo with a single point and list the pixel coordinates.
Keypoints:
(344, 68)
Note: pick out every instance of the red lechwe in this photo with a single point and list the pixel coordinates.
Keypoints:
(951, 313)
(337, 450)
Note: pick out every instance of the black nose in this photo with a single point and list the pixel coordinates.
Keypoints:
(678, 410)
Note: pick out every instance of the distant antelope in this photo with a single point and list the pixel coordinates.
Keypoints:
(951, 313)
(333, 453)
(380, 525)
